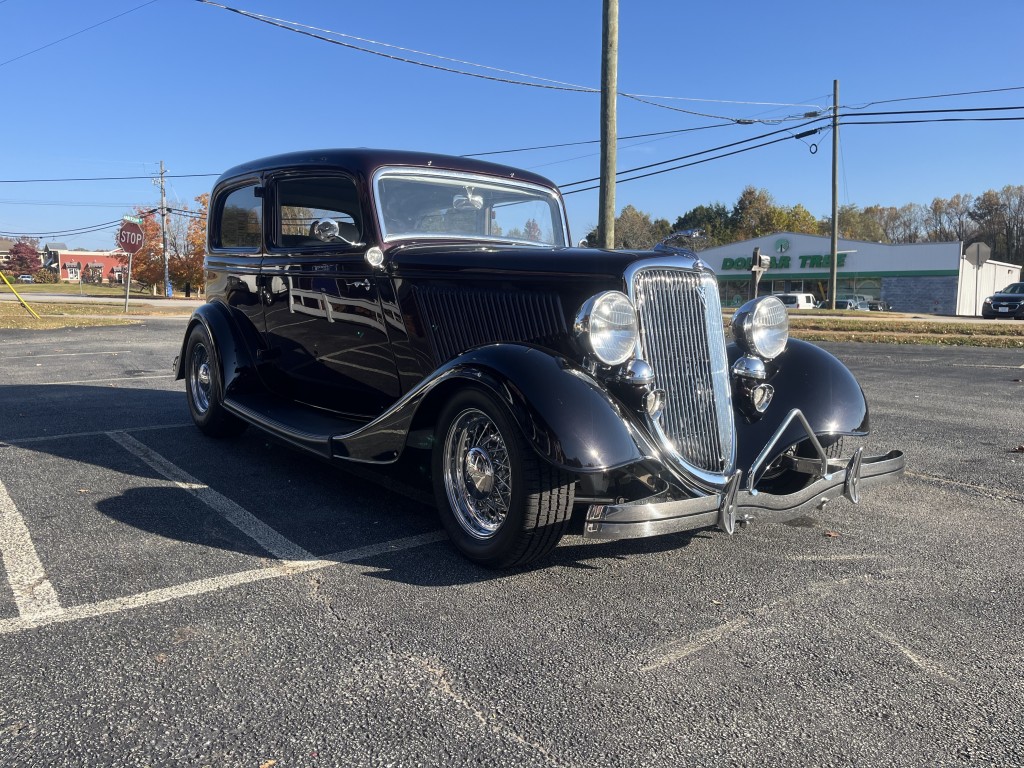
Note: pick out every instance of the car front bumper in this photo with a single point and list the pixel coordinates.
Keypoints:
(664, 513)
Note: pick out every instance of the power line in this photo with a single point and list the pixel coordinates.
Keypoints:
(319, 33)
(702, 152)
(186, 214)
(684, 165)
(108, 178)
(75, 34)
(598, 141)
(85, 229)
(282, 24)
(776, 141)
(956, 110)
(936, 120)
(937, 96)
(65, 203)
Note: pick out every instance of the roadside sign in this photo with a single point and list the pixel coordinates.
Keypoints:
(978, 253)
(130, 237)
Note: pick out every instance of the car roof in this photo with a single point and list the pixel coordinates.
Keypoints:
(364, 162)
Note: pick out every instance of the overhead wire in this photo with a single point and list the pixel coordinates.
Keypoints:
(596, 141)
(319, 33)
(75, 34)
(77, 230)
(109, 178)
(684, 165)
(701, 152)
(935, 96)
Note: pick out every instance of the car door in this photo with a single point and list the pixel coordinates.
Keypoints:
(233, 258)
(325, 327)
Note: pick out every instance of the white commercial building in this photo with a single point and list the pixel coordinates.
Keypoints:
(936, 278)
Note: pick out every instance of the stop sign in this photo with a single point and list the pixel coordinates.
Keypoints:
(130, 237)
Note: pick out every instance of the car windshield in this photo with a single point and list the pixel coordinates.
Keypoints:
(413, 203)
(1014, 288)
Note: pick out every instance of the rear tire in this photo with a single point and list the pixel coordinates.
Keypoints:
(501, 504)
(204, 389)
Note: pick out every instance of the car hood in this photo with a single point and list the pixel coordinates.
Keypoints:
(480, 258)
(1007, 297)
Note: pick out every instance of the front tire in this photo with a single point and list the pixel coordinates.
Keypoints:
(204, 389)
(501, 504)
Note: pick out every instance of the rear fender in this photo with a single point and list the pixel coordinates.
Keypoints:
(230, 346)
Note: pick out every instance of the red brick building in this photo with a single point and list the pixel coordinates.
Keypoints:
(90, 266)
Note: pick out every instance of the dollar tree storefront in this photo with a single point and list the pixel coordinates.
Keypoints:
(921, 277)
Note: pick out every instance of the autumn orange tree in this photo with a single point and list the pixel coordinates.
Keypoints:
(187, 256)
(186, 246)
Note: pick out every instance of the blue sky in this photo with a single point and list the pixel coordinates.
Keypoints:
(204, 89)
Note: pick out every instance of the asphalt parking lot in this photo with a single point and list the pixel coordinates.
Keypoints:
(171, 600)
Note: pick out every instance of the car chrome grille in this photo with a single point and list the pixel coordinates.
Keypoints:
(682, 338)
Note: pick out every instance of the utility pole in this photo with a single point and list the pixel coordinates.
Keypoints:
(832, 271)
(163, 230)
(609, 137)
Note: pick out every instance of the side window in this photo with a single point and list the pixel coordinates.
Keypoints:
(318, 211)
(241, 220)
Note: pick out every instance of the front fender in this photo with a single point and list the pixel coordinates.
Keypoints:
(810, 379)
(565, 415)
(230, 347)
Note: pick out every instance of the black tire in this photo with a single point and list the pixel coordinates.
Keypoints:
(501, 504)
(204, 390)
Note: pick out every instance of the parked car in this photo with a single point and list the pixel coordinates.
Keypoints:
(25, 279)
(844, 304)
(879, 305)
(854, 297)
(1009, 302)
(797, 300)
(366, 306)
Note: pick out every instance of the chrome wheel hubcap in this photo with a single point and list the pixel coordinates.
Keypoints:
(200, 382)
(477, 474)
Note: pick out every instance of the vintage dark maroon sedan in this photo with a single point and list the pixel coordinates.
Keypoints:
(364, 305)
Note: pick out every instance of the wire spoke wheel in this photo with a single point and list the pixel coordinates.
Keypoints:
(477, 474)
(500, 502)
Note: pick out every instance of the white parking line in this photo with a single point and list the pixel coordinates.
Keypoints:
(97, 433)
(272, 541)
(63, 354)
(215, 584)
(33, 593)
(100, 381)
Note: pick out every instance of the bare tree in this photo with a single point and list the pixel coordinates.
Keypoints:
(1012, 198)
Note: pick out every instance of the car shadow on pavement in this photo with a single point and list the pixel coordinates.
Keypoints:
(323, 510)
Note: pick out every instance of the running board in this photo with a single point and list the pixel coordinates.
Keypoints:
(307, 428)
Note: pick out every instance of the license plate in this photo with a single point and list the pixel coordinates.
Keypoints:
(1004, 309)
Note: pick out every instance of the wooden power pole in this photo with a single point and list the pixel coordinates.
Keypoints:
(832, 271)
(609, 91)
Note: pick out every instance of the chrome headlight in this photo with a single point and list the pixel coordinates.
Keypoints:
(761, 327)
(606, 326)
